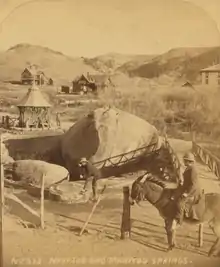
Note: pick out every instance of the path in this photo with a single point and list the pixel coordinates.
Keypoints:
(102, 242)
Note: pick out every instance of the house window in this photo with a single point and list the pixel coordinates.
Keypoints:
(207, 78)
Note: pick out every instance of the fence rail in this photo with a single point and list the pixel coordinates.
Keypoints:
(207, 158)
(8, 121)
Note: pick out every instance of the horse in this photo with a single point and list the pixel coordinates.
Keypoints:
(156, 192)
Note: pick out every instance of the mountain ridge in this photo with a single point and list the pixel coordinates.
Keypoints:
(181, 62)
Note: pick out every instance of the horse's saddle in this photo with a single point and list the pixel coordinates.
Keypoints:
(194, 207)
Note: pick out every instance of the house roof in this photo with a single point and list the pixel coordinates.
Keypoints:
(187, 84)
(33, 70)
(100, 78)
(34, 98)
(95, 78)
(211, 69)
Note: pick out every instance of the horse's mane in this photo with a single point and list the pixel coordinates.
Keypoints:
(155, 180)
(150, 178)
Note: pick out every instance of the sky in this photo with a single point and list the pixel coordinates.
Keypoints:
(93, 27)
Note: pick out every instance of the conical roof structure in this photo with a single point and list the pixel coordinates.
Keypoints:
(34, 98)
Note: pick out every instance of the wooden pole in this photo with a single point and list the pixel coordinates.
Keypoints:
(193, 136)
(126, 220)
(200, 235)
(92, 211)
(42, 203)
(2, 205)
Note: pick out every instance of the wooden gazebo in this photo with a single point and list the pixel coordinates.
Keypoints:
(34, 109)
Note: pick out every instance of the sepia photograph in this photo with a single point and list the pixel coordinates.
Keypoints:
(110, 133)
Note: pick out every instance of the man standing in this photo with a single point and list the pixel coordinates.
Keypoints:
(58, 119)
(87, 171)
(190, 187)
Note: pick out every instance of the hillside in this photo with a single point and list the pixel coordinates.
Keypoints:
(114, 61)
(179, 62)
(55, 64)
(60, 67)
(135, 62)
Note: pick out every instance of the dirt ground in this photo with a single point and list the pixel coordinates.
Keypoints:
(60, 245)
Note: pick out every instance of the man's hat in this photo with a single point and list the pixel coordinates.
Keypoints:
(82, 160)
(189, 157)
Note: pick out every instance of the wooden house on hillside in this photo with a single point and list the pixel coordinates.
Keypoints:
(32, 73)
(210, 76)
(90, 83)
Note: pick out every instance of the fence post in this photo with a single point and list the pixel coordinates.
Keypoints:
(193, 136)
(2, 204)
(200, 234)
(126, 220)
(42, 203)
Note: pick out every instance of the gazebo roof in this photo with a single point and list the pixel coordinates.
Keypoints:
(34, 98)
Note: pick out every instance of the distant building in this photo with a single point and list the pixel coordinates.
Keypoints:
(30, 73)
(188, 85)
(90, 83)
(64, 89)
(50, 81)
(33, 109)
(211, 75)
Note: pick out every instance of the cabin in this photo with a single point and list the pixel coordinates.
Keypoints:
(90, 83)
(210, 76)
(188, 85)
(50, 81)
(64, 89)
(30, 73)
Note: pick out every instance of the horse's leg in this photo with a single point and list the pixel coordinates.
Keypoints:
(170, 234)
(216, 246)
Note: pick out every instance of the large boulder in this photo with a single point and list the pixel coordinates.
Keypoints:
(30, 172)
(36, 147)
(104, 134)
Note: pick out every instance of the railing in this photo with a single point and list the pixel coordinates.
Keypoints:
(8, 122)
(207, 158)
(128, 157)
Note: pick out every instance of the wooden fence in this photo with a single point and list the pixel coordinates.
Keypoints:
(207, 158)
(8, 121)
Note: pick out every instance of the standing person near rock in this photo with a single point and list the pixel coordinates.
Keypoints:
(58, 120)
(89, 171)
(190, 187)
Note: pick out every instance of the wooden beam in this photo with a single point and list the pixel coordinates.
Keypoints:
(126, 220)
(193, 136)
(200, 235)
(92, 211)
(42, 203)
(2, 206)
